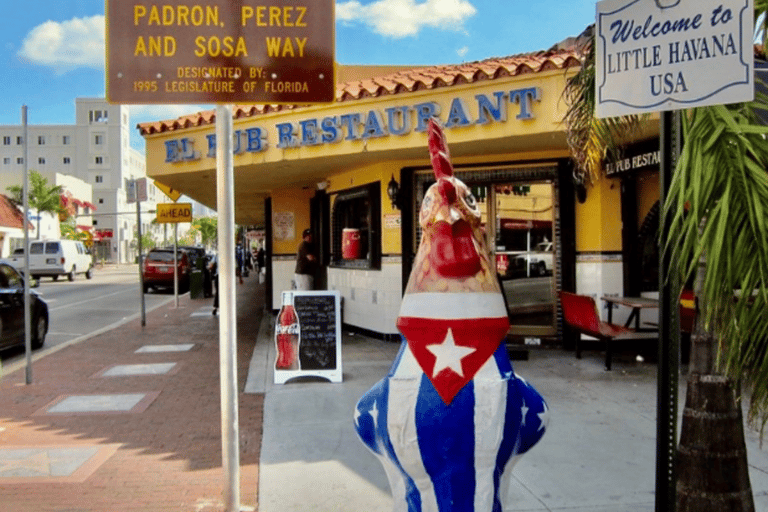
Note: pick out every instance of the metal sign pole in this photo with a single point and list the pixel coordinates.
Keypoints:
(176, 263)
(27, 277)
(141, 274)
(669, 332)
(225, 205)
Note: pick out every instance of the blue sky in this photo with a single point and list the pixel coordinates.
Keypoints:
(53, 50)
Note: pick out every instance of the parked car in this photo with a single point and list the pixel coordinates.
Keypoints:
(199, 259)
(157, 269)
(196, 253)
(54, 258)
(15, 259)
(12, 310)
(539, 261)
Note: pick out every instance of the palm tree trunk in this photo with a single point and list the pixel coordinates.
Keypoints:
(712, 471)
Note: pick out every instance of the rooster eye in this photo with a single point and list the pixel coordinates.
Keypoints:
(470, 200)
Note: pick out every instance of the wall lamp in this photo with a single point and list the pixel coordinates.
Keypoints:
(393, 191)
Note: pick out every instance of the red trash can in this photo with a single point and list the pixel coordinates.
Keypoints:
(350, 243)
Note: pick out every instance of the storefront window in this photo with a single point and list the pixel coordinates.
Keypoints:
(520, 218)
(355, 225)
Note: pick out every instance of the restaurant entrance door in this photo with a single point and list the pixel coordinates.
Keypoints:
(520, 218)
(521, 238)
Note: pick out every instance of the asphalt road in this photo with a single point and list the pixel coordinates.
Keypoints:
(82, 307)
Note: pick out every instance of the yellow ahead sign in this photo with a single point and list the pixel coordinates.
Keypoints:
(174, 212)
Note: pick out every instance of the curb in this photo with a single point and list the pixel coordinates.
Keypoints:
(18, 365)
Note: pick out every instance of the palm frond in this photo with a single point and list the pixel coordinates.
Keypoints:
(719, 195)
(591, 139)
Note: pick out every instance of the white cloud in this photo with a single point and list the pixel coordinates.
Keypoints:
(66, 45)
(462, 52)
(402, 18)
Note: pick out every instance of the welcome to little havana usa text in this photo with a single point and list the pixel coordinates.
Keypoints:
(691, 47)
(214, 79)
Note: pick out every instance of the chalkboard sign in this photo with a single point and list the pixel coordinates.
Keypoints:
(308, 336)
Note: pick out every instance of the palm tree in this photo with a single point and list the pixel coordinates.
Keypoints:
(43, 197)
(718, 233)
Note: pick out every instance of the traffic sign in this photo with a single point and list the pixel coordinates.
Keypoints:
(172, 194)
(220, 51)
(174, 212)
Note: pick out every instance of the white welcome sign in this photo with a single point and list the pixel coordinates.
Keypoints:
(655, 55)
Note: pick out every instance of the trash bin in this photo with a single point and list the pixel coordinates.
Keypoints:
(196, 284)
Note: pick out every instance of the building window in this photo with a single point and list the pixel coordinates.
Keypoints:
(19, 140)
(99, 160)
(101, 200)
(66, 160)
(98, 139)
(7, 160)
(7, 140)
(95, 222)
(65, 140)
(20, 160)
(41, 160)
(41, 140)
(99, 179)
(98, 116)
(358, 211)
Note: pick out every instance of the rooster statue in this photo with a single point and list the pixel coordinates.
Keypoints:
(451, 418)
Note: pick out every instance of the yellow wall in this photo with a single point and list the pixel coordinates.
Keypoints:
(297, 202)
(383, 172)
(598, 219)
(536, 205)
(647, 194)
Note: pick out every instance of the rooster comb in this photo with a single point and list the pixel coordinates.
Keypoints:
(438, 150)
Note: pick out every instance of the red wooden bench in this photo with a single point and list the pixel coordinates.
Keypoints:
(580, 313)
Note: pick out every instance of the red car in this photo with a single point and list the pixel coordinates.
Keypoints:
(157, 269)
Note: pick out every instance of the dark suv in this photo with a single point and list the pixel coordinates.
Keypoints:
(157, 269)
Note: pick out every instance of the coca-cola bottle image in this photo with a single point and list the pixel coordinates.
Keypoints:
(287, 336)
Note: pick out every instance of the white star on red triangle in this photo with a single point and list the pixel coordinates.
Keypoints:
(449, 355)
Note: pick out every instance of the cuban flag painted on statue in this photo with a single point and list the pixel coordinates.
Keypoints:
(450, 455)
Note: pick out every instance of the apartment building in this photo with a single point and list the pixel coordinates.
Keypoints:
(96, 157)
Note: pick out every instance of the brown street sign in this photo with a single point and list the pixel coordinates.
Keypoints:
(220, 51)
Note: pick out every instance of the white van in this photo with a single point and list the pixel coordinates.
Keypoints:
(56, 258)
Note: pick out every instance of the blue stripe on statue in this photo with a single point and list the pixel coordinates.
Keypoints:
(446, 436)
(412, 496)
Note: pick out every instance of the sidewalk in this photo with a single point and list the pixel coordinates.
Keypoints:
(129, 420)
(598, 454)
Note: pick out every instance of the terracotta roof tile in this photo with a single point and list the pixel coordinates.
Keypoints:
(10, 215)
(401, 82)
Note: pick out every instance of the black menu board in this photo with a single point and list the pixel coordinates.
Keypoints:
(319, 318)
(317, 321)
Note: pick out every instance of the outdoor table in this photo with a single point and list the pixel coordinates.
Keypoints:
(636, 303)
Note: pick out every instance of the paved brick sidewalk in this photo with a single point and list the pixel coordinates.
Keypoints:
(161, 450)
